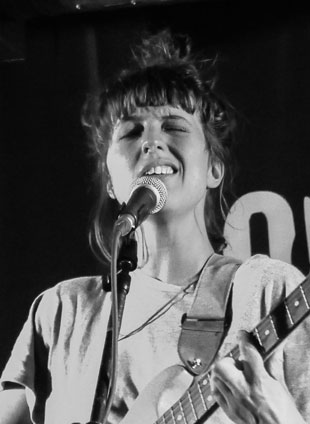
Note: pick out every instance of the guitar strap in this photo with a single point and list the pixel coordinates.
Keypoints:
(206, 324)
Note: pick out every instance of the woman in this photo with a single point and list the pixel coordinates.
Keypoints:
(161, 118)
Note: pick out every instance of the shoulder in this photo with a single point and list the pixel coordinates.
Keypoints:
(263, 281)
(74, 289)
(69, 298)
(79, 287)
(265, 271)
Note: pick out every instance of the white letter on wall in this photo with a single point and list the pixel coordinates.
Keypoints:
(279, 216)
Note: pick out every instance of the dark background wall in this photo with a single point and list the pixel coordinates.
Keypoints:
(45, 171)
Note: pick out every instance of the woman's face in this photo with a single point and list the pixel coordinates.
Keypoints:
(168, 143)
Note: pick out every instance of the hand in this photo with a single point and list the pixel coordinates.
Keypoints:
(247, 393)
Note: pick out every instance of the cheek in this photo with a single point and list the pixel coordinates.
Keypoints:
(121, 175)
(199, 172)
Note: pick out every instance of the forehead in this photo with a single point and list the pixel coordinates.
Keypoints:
(141, 114)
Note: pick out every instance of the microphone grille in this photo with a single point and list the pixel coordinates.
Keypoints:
(157, 186)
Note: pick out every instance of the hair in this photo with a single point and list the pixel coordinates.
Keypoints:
(164, 72)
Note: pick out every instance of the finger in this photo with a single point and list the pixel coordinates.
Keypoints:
(225, 368)
(220, 386)
(228, 373)
(249, 338)
(219, 393)
(252, 361)
(233, 403)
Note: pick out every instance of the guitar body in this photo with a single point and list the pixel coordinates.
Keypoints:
(159, 395)
(174, 396)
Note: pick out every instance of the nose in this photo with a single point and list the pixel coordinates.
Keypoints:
(151, 146)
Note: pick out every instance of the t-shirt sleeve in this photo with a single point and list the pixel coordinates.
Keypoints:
(28, 362)
(262, 284)
(296, 358)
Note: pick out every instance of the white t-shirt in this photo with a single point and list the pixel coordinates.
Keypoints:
(58, 352)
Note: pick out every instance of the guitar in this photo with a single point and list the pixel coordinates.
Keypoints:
(196, 404)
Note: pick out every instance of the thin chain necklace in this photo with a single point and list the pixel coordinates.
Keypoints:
(163, 309)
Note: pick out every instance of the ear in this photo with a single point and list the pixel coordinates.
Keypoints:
(106, 176)
(215, 174)
(110, 190)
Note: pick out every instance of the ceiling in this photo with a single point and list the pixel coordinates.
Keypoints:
(15, 14)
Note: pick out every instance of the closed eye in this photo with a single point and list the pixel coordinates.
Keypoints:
(175, 123)
(174, 128)
(132, 133)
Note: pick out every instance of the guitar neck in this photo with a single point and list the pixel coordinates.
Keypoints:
(197, 403)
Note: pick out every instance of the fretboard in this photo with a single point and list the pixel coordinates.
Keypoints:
(197, 403)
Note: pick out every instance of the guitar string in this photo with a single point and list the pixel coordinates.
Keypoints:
(200, 398)
(204, 388)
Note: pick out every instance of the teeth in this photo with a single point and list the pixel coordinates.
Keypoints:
(159, 170)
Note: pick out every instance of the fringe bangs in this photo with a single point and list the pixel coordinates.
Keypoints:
(155, 86)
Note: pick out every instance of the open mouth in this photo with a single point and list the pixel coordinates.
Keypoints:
(160, 170)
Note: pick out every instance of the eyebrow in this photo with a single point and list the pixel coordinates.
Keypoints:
(133, 118)
(176, 117)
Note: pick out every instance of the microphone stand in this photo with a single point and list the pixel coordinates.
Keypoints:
(126, 263)
(148, 195)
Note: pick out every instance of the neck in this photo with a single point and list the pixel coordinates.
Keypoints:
(176, 248)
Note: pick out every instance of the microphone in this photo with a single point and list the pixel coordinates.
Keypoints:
(148, 196)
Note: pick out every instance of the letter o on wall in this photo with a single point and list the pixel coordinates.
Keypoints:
(280, 221)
